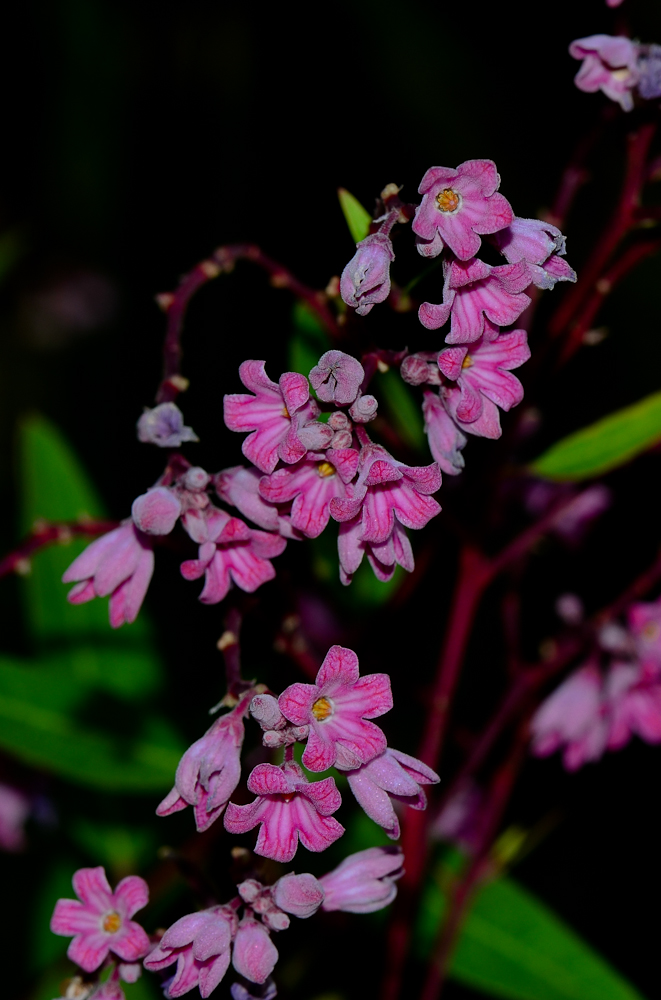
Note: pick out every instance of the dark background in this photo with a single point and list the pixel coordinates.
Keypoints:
(138, 136)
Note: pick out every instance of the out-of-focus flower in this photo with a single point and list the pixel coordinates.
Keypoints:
(312, 483)
(365, 280)
(459, 819)
(649, 72)
(460, 205)
(392, 774)
(336, 378)
(474, 292)
(572, 718)
(267, 991)
(287, 808)
(200, 945)
(208, 772)
(363, 882)
(100, 919)
(14, 811)
(336, 708)
(609, 65)
(156, 512)
(569, 608)
(281, 417)
(644, 621)
(119, 563)
(164, 426)
(229, 551)
(632, 692)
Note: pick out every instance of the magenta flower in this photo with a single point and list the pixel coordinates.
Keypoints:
(311, 484)
(208, 772)
(363, 882)
(474, 291)
(445, 439)
(633, 695)
(229, 551)
(200, 945)
(101, 920)
(573, 718)
(387, 489)
(609, 65)
(288, 808)
(395, 775)
(482, 374)
(282, 417)
(460, 205)
(645, 626)
(14, 811)
(254, 955)
(337, 377)
(164, 426)
(540, 245)
(336, 708)
(382, 556)
(239, 487)
(156, 512)
(121, 564)
(365, 280)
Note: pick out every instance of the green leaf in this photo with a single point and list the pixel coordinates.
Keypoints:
(605, 445)
(514, 946)
(358, 218)
(404, 409)
(122, 850)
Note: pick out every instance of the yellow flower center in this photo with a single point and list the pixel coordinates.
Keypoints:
(112, 922)
(467, 362)
(325, 469)
(447, 200)
(285, 413)
(321, 709)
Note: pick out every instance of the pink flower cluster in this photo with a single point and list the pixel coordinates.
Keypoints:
(618, 67)
(597, 709)
(333, 717)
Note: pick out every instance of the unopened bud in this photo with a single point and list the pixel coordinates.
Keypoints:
(364, 409)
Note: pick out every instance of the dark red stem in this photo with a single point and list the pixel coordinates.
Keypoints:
(16, 561)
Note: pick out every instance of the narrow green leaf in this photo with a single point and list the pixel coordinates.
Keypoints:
(604, 445)
(358, 218)
(514, 946)
(404, 409)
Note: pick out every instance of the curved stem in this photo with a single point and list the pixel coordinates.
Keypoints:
(46, 534)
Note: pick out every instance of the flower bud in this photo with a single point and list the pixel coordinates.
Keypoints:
(301, 895)
(366, 278)
(336, 378)
(156, 512)
(264, 710)
(164, 426)
(196, 478)
(363, 882)
(364, 409)
(254, 953)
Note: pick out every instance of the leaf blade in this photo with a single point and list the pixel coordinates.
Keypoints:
(358, 219)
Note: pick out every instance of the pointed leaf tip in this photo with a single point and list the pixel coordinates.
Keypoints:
(358, 218)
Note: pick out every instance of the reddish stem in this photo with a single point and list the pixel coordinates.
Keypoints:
(47, 534)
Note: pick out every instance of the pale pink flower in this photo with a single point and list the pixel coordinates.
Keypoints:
(239, 487)
(383, 557)
(541, 245)
(254, 954)
(445, 438)
(208, 772)
(300, 895)
(483, 380)
(392, 774)
(460, 205)
(119, 563)
(157, 511)
(200, 944)
(336, 708)
(312, 483)
(100, 921)
(474, 291)
(363, 882)
(229, 551)
(164, 426)
(365, 280)
(633, 695)
(337, 377)
(282, 417)
(14, 811)
(609, 65)
(573, 719)
(287, 808)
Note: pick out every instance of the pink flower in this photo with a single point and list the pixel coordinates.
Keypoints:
(164, 426)
(254, 954)
(363, 882)
(14, 811)
(311, 484)
(482, 374)
(633, 696)
(239, 487)
(282, 417)
(572, 717)
(208, 772)
(336, 708)
(229, 551)
(101, 922)
(200, 945)
(156, 512)
(300, 895)
(288, 808)
(445, 439)
(645, 626)
(421, 368)
(120, 564)
(540, 245)
(382, 556)
(474, 291)
(365, 280)
(459, 204)
(609, 64)
(392, 774)
(337, 377)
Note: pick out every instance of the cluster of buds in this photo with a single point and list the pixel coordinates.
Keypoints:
(332, 717)
(203, 944)
(619, 67)
(614, 695)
